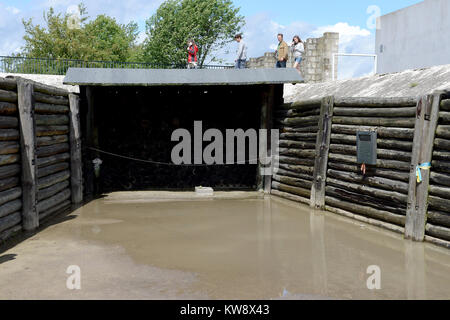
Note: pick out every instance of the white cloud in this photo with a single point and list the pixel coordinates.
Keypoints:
(13, 10)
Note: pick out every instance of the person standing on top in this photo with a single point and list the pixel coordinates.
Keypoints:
(298, 49)
(192, 50)
(282, 52)
(241, 57)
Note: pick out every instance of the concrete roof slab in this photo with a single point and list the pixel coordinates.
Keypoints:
(179, 77)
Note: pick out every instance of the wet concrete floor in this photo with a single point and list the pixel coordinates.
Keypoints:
(235, 246)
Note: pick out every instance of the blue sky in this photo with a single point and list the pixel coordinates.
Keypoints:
(265, 18)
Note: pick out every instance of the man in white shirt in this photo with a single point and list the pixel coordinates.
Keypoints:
(241, 57)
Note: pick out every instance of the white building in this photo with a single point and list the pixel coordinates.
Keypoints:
(414, 37)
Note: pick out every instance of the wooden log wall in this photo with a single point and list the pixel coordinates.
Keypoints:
(438, 220)
(381, 193)
(38, 134)
(298, 124)
(10, 166)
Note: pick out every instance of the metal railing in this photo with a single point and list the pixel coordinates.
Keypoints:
(60, 66)
(333, 71)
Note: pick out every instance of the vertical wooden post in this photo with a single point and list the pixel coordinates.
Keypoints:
(425, 130)
(25, 92)
(322, 150)
(89, 138)
(76, 174)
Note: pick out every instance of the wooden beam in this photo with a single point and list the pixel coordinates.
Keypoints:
(30, 217)
(76, 174)
(425, 130)
(321, 153)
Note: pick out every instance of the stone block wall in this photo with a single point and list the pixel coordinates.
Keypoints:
(317, 60)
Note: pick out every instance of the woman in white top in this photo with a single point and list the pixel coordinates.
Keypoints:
(298, 48)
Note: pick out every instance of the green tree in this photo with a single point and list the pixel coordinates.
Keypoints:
(99, 39)
(211, 23)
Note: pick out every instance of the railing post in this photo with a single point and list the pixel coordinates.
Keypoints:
(30, 217)
(322, 149)
(427, 117)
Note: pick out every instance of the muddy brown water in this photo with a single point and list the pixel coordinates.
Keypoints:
(235, 246)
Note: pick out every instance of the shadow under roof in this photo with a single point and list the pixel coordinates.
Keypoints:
(179, 77)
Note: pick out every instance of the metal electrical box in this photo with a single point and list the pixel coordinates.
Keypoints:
(366, 147)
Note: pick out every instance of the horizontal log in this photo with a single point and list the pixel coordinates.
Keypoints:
(307, 170)
(52, 140)
(296, 144)
(442, 144)
(364, 200)
(296, 113)
(439, 218)
(370, 171)
(9, 183)
(50, 90)
(382, 132)
(8, 122)
(299, 121)
(52, 190)
(441, 155)
(440, 178)
(58, 167)
(46, 98)
(440, 166)
(10, 221)
(45, 108)
(44, 131)
(9, 159)
(10, 207)
(438, 203)
(395, 199)
(307, 136)
(8, 96)
(308, 154)
(366, 211)
(303, 105)
(382, 183)
(375, 102)
(10, 195)
(51, 120)
(290, 197)
(438, 232)
(60, 208)
(9, 171)
(53, 201)
(378, 122)
(445, 105)
(44, 162)
(375, 112)
(290, 189)
(444, 117)
(381, 163)
(8, 84)
(9, 134)
(381, 153)
(9, 147)
(305, 129)
(382, 143)
(443, 132)
(52, 150)
(283, 172)
(9, 233)
(295, 161)
(291, 181)
(438, 191)
(7, 108)
(53, 179)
